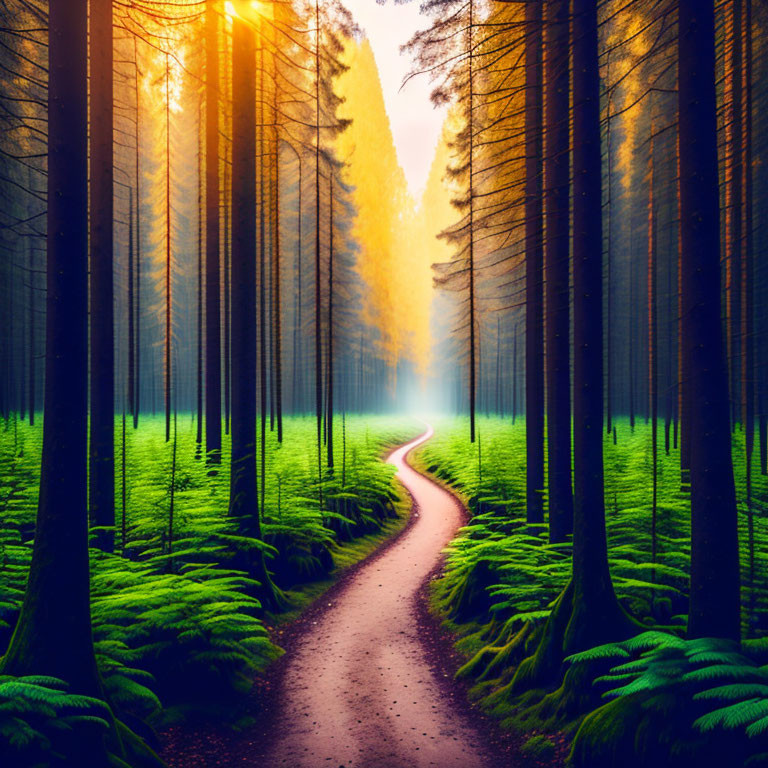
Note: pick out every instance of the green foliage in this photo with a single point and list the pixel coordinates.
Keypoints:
(502, 578)
(539, 747)
(177, 623)
(705, 694)
(37, 717)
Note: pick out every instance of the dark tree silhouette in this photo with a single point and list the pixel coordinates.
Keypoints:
(556, 260)
(714, 595)
(597, 616)
(53, 634)
(102, 382)
(212, 240)
(244, 496)
(534, 298)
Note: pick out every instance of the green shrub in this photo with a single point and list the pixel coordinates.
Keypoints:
(539, 747)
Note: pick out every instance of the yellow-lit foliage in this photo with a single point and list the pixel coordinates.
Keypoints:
(630, 39)
(434, 215)
(395, 246)
(436, 212)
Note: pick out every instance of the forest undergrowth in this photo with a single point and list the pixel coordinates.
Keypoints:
(179, 631)
(657, 699)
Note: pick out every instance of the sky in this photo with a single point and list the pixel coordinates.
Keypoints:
(416, 125)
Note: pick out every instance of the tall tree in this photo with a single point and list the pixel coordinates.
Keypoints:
(734, 237)
(748, 372)
(470, 99)
(243, 495)
(32, 351)
(597, 616)
(534, 294)
(587, 613)
(243, 499)
(102, 384)
(212, 238)
(556, 260)
(168, 341)
(53, 634)
(714, 594)
(330, 352)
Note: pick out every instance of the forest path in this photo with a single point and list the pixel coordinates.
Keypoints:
(358, 690)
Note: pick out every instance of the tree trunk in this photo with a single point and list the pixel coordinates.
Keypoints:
(263, 328)
(212, 240)
(276, 293)
(471, 246)
(244, 498)
(168, 369)
(556, 256)
(609, 264)
(31, 365)
(653, 363)
(102, 357)
(748, 372)
(534, 243)
(683, 386)
(734, 147)
(137, 362)
(597, 616)
(318, 275)
(227, 301)
(714, 594)
(329, 417)
(131, 309)
(297, 396)
(199, 360)
(53, 634)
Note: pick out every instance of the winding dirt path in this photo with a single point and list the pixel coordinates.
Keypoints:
(358, 690)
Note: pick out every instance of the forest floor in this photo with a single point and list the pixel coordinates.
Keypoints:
(367, 678)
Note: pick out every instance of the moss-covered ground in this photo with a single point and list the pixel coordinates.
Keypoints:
(502, 578)
(179, 634)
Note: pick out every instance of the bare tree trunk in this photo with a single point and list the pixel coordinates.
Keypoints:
(53, 633)
(534, 276)
(714, 596)
(329, 417)
(168, 370)
(31, 365)
(131, 309)
(199, 376)
(556, 256)
(137, 374)
(212, 239)
(244, 496)
(318, 275)
(653, 371)
(748, 371)
(276, 293)
(102, 327)
(471, 266)
(597, 616)
(734, 147)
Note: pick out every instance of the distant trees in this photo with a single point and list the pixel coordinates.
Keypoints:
(191, 226)
(618, 265)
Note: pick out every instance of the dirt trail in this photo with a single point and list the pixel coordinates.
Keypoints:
(358, 690)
